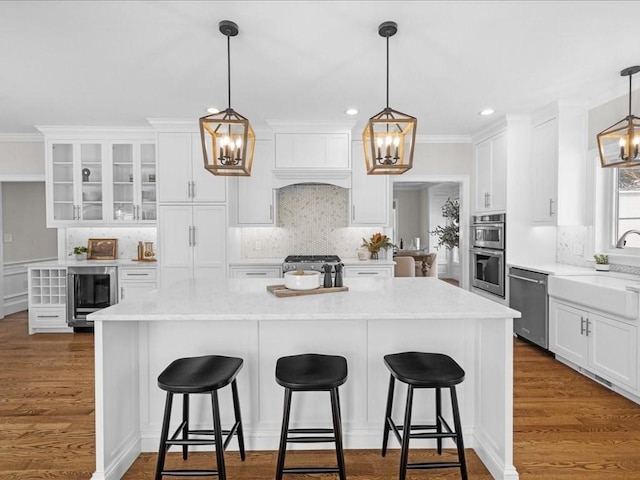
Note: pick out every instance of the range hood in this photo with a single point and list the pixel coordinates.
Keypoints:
(284, 178)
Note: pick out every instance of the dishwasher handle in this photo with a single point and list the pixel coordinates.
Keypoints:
(532, 280)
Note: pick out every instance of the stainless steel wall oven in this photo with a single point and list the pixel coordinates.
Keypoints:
(89, 289)
(488, 254)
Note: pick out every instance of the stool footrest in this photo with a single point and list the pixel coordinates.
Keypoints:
(311, 470)
(190, 473)
(194, 441)
(427, 465)
(310, 439)
(310, 430)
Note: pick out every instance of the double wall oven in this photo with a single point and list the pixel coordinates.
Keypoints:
(488, 253)
(89, 289)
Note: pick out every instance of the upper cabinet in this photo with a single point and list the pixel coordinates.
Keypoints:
(181, 173)
(133, 167)
(254, 195)
(314, 151)
(370, 205)
(491, 174)
(544, 174)
(93, 179)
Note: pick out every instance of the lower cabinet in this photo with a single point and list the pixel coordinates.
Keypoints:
(136, 281)
(255, 271)
(192, 242)
(607, 347)
(47, 300)
(379, 271)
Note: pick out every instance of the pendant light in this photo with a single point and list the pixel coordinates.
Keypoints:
(389, 136)
(227, 138)
(618, 144)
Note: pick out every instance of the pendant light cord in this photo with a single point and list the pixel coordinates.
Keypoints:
(388, 74)
(229, 70)
(630, 76)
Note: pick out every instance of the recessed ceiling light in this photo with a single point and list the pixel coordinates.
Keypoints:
(351, 111)
(486, 111)
(213, 110)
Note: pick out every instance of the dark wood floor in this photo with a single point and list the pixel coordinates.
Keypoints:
(566, 426)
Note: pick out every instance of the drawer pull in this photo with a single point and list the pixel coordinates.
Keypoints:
(256, 273)
(368, 273)
(48, 316)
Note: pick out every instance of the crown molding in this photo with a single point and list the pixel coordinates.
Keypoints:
(443, 139)
(21, 137)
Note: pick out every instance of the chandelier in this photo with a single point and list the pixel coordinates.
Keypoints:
(390, 136)
(618, 144)
(228, 141)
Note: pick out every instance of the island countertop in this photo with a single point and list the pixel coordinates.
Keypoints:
(248, 299)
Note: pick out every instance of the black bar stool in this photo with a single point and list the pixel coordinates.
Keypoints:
(193, 375)
(310, 373)
(424, 370)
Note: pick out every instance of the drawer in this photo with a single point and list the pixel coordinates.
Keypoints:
(48, 319)
(256, 272)
(138, 274)
(375, 272)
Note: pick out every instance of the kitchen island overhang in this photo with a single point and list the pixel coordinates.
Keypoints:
(136, 339)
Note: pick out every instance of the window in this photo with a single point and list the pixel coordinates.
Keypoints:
(627, 204)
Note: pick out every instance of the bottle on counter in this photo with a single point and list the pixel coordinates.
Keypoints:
(326, 268)
(338, 280)
(401, 244)
(140, 251)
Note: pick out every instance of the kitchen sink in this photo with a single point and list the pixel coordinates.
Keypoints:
(608, 292)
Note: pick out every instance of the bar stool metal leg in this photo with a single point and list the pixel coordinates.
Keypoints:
(439, 419)
(185, 420)
(387, 427)
(337, 432)
(162, 451)
(406, 434)
(284, 433)
(218, 435)
(236, 411)
(458, 427)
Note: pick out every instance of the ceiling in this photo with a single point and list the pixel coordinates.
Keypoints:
(110, 63)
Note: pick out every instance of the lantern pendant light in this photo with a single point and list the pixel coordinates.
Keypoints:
(228, 141)
(390, 136)
(618, 144)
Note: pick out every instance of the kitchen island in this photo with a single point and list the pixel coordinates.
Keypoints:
(135, 340)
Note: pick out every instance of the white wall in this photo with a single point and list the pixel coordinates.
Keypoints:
(21, 158)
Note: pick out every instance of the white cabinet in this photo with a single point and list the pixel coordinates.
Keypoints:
(181, 173)
(135, 281)
(544, 172)
(76, 182)
(603, 345)
(255, 196)
(370, 205)
(255, 271)
(312, 151)
(369, 271)
(491, 174)
(47, 300)
(133, 167)
(192, 242)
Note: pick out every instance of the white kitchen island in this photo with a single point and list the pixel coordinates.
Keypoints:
(135, 340)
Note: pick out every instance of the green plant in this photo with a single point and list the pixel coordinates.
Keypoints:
(449, 234)
(601, 259)
(79, 250)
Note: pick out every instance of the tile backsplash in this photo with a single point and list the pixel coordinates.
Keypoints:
(128, 238)
(312, 220)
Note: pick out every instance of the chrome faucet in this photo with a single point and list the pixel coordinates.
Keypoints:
(621, 242)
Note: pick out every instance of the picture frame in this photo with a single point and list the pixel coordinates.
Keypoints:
(102, 249)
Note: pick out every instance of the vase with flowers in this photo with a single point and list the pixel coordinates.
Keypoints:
(377, 242)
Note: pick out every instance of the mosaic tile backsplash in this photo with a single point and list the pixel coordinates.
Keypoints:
(312, 220)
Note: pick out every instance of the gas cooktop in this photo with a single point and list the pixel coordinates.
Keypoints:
(308, 262)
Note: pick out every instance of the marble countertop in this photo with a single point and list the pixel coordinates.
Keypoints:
(553, 268)
(72, 262)
(247, 299)
(278, 261)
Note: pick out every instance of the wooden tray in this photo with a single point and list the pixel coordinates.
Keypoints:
(149, 260)
(282, 291)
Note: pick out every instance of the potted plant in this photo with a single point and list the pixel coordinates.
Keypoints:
(449, 234)
(377, 242)
(602, 262)
(80, 252)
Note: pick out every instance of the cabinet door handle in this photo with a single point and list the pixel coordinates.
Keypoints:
(194, 236)
(271, 212)
(488, 199)
(137, 274)
(353, 212)
(588, 331)
(551, 212)
(121, 293)
(190, 244)
(581, 325)
(193, 189)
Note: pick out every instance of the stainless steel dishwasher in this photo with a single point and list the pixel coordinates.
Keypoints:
(528, 295)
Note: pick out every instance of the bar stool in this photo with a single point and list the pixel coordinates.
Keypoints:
(311, 373)
(197, 375)
(424, 370)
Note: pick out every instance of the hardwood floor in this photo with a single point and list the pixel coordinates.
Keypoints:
(566, 426)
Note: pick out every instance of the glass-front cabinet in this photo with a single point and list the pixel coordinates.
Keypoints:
(100, 177)
(77, 183)
(134, 182)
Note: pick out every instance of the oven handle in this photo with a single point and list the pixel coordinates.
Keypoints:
(491, 253)
(497, 225)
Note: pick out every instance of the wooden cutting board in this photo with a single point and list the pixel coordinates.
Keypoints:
(282, 291)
